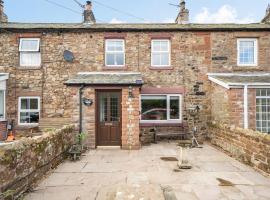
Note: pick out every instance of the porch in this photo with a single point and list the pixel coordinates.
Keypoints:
(116, 174)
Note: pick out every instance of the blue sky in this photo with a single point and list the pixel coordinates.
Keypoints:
(201, 11)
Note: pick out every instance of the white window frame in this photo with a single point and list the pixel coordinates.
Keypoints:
(33, 51)
(152, 52)
(28, 110)
(107, 51)
(261, 97)
(180, 120)
(4, 114)
(255, 40)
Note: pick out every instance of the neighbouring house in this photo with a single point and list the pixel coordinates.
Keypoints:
(117, 82)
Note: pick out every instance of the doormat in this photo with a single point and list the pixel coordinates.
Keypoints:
(169, 159)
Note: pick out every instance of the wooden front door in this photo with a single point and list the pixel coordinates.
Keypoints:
(109, 118)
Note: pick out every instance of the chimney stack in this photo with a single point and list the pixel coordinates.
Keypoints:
(183, 16)
(88, 14)
(266, 19)
(3, 16)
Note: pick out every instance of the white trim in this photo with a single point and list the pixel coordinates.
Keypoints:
(4, 76)
(238, 74)
(169, 51)
(255, 40)
(246, 125)
(27, 39)
(122, 52)
(221, 83)
(180, 120)
(4, 114)
(28, 110)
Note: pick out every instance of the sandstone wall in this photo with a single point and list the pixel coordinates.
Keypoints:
(248, 146)
(25, 161)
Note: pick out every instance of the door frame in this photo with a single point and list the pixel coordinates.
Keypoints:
(97, 115)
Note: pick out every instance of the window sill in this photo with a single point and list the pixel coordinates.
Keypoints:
(114, 68)
(29, 67)
(161, 68)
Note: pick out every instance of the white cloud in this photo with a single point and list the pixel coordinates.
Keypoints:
(225, 14)
(116, 21)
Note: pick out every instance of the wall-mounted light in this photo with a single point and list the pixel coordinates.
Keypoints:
(194, 110)
(87, 102)
(130, 92)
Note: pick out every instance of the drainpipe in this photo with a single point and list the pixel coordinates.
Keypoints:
(80, 98)
(246, 106)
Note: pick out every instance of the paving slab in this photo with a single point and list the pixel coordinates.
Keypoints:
(115, 174)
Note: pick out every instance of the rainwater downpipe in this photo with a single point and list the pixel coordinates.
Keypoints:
(80, 99)
(246, 106)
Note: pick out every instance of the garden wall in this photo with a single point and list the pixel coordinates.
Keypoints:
(250, 147)
(25, 161)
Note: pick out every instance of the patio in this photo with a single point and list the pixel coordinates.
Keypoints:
(141, 175)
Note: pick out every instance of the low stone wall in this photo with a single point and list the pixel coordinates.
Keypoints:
(250, 147)
(25, 161)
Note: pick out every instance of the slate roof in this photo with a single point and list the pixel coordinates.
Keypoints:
(106, 78)
(234, 80)
(132, 27)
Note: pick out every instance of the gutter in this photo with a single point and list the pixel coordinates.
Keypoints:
(80, 99)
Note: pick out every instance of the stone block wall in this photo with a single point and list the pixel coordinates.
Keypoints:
(248, 146)
(25, 161)
(227, 106)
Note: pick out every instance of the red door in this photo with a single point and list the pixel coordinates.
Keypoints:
(109, 118)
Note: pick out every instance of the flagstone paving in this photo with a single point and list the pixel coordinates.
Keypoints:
(142, 175)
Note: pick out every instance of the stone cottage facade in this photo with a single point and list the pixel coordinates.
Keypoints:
(116, 82)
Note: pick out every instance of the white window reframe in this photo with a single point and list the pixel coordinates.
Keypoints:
(37, 50)
(123, 52)
(152, 52)
(180, 120)
(255, 40)
(27, 110)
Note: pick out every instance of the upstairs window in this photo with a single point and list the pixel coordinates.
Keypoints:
(161, 53)
(115, 53)
(247, 52)
(29, 110)
(30, 52)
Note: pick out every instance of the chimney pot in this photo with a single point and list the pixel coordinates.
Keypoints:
(3, 16)
(183, 15)
(88, 14)
(266, 19)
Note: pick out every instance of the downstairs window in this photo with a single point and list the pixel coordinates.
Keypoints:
(263, 110)
(161, 108)
(29, 110)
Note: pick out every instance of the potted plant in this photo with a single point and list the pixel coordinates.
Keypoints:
(77, 149)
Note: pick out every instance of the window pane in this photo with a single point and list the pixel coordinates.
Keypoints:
(114, 108)
(164, 46)
(164, 59)
(119, 59)
(156, 46)
(115, 59)
(263, 111)
(247, 51)
(25, 104)
(33, 104)
(29, 45)
(24, 117)
(156, 57)
(30, 59)
(115, 45)
(34, 117)
(174, 107)
(2, 104)
(154, 108)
